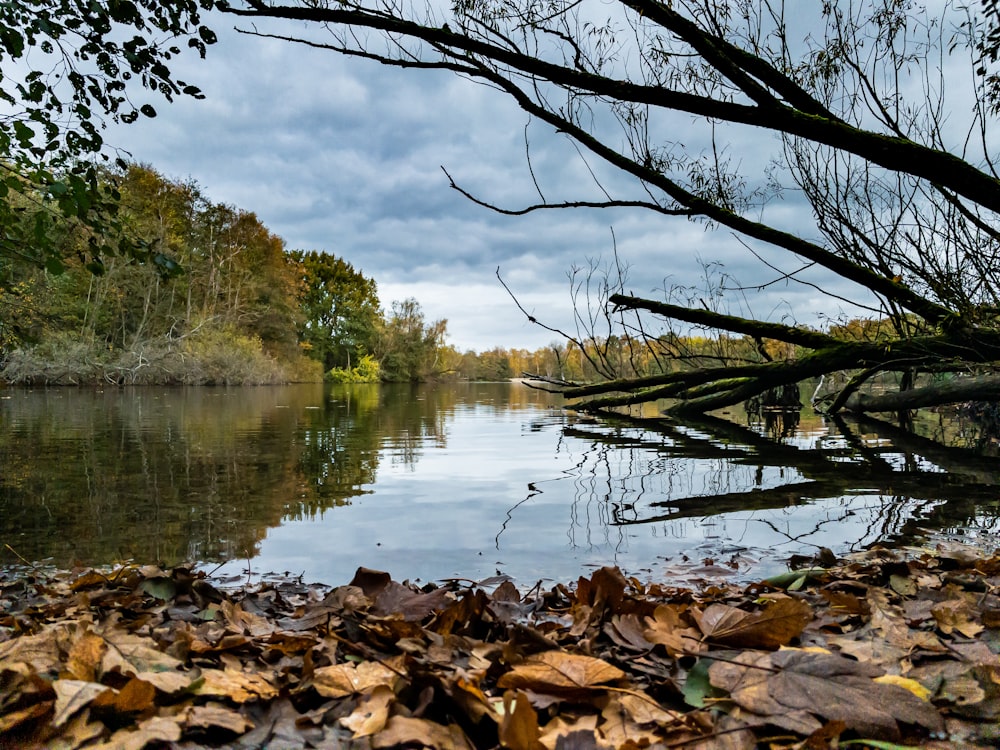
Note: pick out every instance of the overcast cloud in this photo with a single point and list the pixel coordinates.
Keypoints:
(345, 156)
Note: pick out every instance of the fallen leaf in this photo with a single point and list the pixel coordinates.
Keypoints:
(519, 726)
(214, 716)
(402, 730)
(155, 729)
(907, 684)
(555, 671)
(71, 696)
(667, 629)
(372, 713)
(85, 656)
(774, 626)
(346, 679)
(798, 687)
(956, 615)
(239, 687)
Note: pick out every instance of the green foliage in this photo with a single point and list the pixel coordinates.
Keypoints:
(340, 309)
(231, 318)
(409, 348)
(66, 68)
(367, 371)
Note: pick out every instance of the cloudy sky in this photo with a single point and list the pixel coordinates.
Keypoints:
(345, 156)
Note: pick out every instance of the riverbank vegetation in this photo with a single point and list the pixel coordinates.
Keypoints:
(232, 306)
(884, 650)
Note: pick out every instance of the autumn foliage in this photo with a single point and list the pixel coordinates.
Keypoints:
(882, 648)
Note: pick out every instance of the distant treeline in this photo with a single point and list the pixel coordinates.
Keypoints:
(222, 301)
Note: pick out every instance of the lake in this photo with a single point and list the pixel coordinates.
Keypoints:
(458, 480)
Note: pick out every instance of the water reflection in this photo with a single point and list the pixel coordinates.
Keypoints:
(436, 481)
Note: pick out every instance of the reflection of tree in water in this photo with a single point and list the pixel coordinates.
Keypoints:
(188, 474)
(863, 481)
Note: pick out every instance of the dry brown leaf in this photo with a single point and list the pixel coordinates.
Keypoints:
(643, 709)
(245, 623)
(402, 730)
(618, 729)
(372, 712)
(84, 660)
(667, 629)
(793, 683)
(71, 696)
(135, 697)
(956, 615)
(214, 716)
(519, 726)
(559, 671)
(346, 679)
(41, 651)
(169, 683)
(156, 729)
(239, 687)
(774, 626)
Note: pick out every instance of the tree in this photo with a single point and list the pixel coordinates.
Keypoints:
(904, 206)
(409, 347)
(340, 308)
(67, 67)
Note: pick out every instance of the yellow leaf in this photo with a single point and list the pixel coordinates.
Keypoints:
(906, 683)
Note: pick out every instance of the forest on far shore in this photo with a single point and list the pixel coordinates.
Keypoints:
(221, 300)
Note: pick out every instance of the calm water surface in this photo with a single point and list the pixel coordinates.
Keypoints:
(467, 480)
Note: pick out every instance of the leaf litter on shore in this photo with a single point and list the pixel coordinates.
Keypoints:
(890, 649)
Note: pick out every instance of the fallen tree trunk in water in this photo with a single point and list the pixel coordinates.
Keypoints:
(954, 348)
(984, 388)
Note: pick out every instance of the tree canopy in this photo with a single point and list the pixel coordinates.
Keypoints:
(68, 67)
(861, 101)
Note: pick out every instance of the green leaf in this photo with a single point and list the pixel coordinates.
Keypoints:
(161, 587)
(697, 686)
